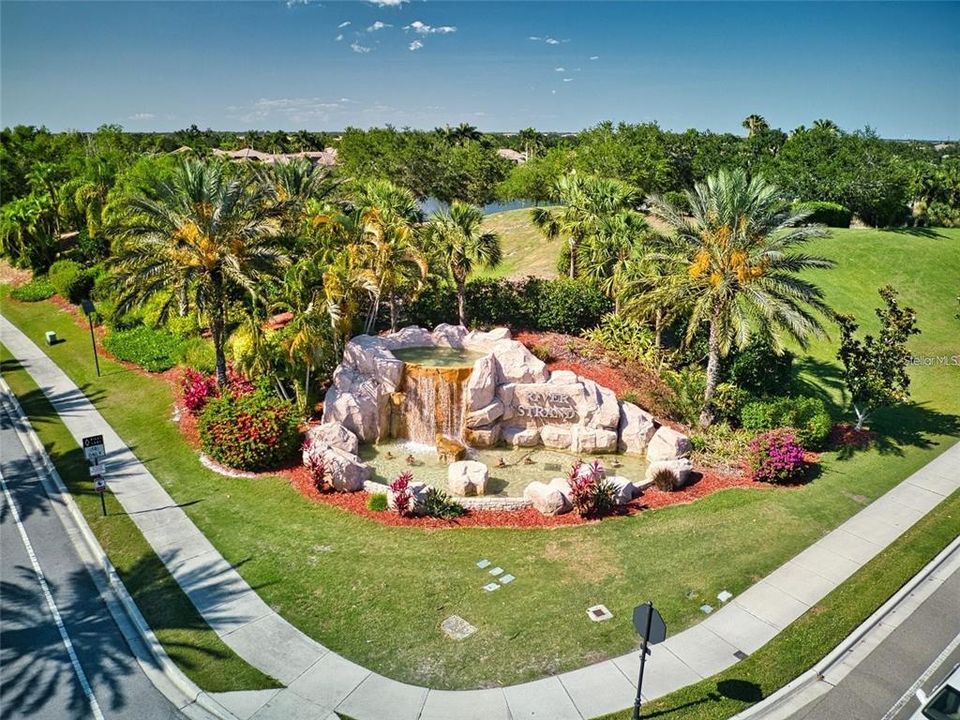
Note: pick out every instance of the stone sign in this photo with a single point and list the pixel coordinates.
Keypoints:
(548, 406)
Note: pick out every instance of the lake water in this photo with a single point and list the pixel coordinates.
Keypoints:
(431, 204)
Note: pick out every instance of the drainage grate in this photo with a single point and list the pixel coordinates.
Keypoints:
(740, 655)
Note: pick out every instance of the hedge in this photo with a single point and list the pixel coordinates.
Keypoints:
(151, 349)
(830, 214)
(71, 280)
(37, 289)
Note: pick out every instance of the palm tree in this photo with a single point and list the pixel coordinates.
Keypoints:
(203, 235)
(458, 240)
(733, 267)
(755, 124)
(611, 257)
(826, 125)
(586, 202)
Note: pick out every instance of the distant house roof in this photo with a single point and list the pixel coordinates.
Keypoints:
(326, 157)
(512, 155)
(182, 149)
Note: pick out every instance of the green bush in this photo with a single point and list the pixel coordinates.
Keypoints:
(71, 280)
(436, 503)
(759, 370)
(377, 502)
(808, 416)
(629, 339)
(197, 353)
(830, 214)
(542, 352)
(678, 199)
(570, 306)
(151, 349)
(37, 289)
(940, 214)
(256, 431)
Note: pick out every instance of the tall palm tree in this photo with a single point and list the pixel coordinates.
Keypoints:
(458, 239)
(203, 234)
(827, 125)
(611, 257)
(755, 124)
(586, 203)
(733, 267)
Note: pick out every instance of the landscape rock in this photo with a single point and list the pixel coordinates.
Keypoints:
(370, 357)
(556, 436)
(546, 499)
(668, 444)
(563, 485)
(521, 436)
(482, 437)
(480, 341)
(485, 415)
(345, 471)
(482, 386)
(637, 428)
(451, 336)
(467, 477)
(407, 337)
(517, 364)
(357, 411)
(590, 440)
(335, 435)
(563, 377)
(680, 469)
(626, 490)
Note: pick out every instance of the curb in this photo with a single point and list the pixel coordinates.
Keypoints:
(812, 684)
(182, 692)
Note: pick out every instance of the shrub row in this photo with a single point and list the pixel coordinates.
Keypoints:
(71, 280)
(34, 291)
(808, 417)
(557, 305)
(830, 214)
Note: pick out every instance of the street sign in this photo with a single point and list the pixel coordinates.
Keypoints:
(99, 485)
(97, 471)
(93, 448)
(647, 613)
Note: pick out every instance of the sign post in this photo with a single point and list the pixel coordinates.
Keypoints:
(650, 626)
(88, 310)
(94, 451)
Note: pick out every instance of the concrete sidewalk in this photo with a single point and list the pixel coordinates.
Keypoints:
(319, 681)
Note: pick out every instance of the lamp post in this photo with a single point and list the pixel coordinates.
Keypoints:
(89, 310)
(650, 626)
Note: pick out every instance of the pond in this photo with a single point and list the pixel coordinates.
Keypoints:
(437, 357)
(519, 466)
(430, 205)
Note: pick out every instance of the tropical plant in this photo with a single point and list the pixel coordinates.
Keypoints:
(733, 266)
(457, 238)
(401, 497)
(755, 124)
(203, 235)
(875, 368)
(776, 457)
(438, 504)
(588, 206)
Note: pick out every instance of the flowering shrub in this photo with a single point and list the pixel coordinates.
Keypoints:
(400, 489)
(255, 431)
(197, 390)
(590, 493)
(776, 457)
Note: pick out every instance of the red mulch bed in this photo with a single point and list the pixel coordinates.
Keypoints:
(846, 435)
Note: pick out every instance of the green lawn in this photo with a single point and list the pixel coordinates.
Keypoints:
(188, 640)
(377, 594)
(525, 251)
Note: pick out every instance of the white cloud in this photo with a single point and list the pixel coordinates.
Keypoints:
(358, 48)
(141, 116)
(343, 24)
(552, 41)
(424, 29)
(535, 37)
(553, 92)
(388, 3)
(339, 37)
(568, 79)
(415, 45)
(378, 25)
(559, 69)
(594, 57)
(293, 3)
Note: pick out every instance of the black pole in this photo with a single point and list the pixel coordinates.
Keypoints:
(96, 358)
(643, 661)
(103, 503)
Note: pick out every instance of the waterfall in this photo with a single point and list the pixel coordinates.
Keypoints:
(432, 403)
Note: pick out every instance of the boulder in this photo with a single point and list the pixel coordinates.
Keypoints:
(546, 499)
(411, 336)
(369, 356)
(668, 444)
(600, 408)
(626, 490)
(358, 412)
(479, 341)
(449, 450)
(521, 436)
(563, 485)
(517, 364)
(680, 469)
(482, 386)
(562, 377)
(556, 436)
(445, 335)
(637, 428)
(418, 492)
(467, 477)
(483, 437)
(485, 415)
(345, 471)
(335, 435)
(590, 440)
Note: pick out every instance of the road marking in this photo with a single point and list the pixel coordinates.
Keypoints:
(67, 643)
(909, 694)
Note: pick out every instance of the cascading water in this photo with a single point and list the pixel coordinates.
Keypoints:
(432, 403)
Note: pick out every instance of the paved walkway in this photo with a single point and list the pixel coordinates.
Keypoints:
(319, 681)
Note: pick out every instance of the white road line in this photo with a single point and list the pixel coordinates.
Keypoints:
(67, 643)
(909, 694)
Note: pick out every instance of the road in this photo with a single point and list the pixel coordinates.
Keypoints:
(873, 690)
(40, 678)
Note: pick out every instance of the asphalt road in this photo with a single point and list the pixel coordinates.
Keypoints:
(38, 677)
(875, 686)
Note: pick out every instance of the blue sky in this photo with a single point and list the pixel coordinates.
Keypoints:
(496, 65)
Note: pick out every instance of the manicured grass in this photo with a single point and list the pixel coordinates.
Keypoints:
(816, 632)
(377, 594)
(525, 251)
(188, 640)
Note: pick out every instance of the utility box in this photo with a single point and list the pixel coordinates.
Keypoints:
(51, 337)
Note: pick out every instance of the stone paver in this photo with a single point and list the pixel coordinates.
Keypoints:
(320, 681)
